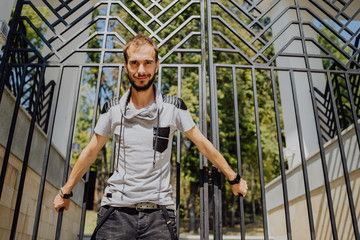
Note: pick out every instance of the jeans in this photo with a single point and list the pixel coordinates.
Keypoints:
(130, 224)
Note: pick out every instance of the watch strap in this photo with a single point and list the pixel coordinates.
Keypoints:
(64, 195)
(236, 179)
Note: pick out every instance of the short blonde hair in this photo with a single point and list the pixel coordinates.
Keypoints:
(140, 40)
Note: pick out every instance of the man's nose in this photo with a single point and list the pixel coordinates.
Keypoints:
(141, 69)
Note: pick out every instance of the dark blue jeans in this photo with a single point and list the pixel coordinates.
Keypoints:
(130, 224)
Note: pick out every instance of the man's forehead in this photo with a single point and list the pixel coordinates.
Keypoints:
(145, 51)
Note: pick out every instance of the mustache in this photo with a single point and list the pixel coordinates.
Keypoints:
(140, 76)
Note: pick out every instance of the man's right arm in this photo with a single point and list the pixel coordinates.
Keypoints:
(86, 158)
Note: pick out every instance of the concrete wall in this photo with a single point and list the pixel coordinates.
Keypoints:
(71, 220)
(296, 194)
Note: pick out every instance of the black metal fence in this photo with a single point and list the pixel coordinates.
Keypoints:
(326, 115)
(205, 46)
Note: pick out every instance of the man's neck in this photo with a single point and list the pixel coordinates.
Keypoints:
(141, 99)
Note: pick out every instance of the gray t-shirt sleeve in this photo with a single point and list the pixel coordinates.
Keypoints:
(104, 124)
(184, 121)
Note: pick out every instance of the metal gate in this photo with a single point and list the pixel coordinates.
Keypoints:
(206, 48)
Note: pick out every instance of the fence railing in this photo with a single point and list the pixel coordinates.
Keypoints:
(197, 39)
(31, 82)
(323, 100)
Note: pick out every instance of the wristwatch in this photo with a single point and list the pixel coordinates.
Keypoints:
(236, 179)
(64, 195)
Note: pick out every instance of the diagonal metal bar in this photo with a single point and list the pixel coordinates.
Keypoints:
(262, 14)
(176, 48)
(220, 19)
(353, 111)
(26, 158)
(323, 158)
(61, 19)
(47, 154)
(138, 20)
(5, 73)
(167, 23)
(233, 16)
(344, 165)
(303, 157)
(74, 10)
(147, 11)
(63, 4)
(336, 9)
(11, 131)
(173, 33)
(331, 17)
(40, 15)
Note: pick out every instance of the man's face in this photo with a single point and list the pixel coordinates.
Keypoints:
(141, 66)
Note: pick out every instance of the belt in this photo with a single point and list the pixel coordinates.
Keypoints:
(148, 205)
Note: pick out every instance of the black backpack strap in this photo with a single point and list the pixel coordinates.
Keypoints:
(103, 219)
(168, 222)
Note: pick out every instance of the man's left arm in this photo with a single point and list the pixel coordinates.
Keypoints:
(210, 152)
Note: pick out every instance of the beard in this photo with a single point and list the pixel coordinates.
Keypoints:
(142, 88)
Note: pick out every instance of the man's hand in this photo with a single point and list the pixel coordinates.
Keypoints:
(240, 188)
(86, 158)
(60, 202)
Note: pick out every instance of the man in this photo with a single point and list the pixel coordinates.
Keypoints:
(137, 202)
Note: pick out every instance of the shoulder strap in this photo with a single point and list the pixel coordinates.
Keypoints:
(103, 219)
(168, 222)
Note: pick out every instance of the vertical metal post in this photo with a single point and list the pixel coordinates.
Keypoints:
(47, 153)
(281, 155)
(238, 151)
(303, 158)
(178, 181)
(318, 130)
(113, 154)
(69, 147)
(87, 175)
(26, 157)
(204, 177)
(214, 127)
(178, 159)
(261, 168)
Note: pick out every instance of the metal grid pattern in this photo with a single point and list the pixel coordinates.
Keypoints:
(236, 35)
